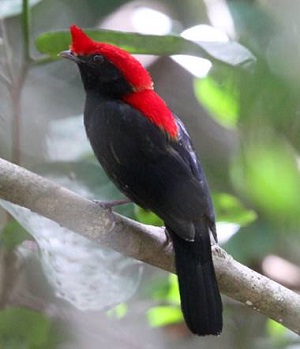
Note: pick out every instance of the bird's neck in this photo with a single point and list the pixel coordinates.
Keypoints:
(153, 107)
(146, 101)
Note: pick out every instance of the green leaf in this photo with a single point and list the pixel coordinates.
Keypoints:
(14, 234)
(119, 311)
(147, 217)
(173, 295)
(280, 337)
(164, 315)
(221, 102)
(24, 328)
(276, 330)
(168, 314)
(268, 173)
(165, 290)
(158, 289)
(230, 53)
(230, 209)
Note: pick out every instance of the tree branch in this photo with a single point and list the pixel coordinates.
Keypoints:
(143, 242)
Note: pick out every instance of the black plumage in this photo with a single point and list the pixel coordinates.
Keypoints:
(160, 173)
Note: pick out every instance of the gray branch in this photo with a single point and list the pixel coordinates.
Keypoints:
(143, 242)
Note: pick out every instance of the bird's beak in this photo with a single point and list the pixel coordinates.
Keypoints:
(69, 55)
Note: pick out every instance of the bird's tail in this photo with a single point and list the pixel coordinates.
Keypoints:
(200, 298)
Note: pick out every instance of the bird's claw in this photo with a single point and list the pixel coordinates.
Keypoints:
(168, 239)
(108, 205)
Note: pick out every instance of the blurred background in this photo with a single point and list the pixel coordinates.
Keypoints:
(58, 290)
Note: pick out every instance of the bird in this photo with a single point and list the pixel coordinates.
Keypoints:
(147, 153)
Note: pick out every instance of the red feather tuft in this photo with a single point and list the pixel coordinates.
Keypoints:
(131, 69)
(144, 98)
(81, 43)
(156, 110)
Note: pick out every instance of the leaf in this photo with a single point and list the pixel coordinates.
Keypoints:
(277, 332)
(13, 234)
(164, 315)
(10, 8)
(280, 336)
(24, 328)
(267, 172)
(173, 293)
(230, 53)
(219, 100)
(118, 312)
(147, 217)
(167, 314)
(230, 209)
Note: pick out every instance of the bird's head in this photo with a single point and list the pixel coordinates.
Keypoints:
(106, 67)
(110, 71)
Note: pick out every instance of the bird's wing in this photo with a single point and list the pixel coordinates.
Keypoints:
(185, 150)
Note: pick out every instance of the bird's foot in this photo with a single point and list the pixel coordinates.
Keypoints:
(108, 205)
(168, 239)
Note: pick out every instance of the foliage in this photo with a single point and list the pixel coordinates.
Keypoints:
(13, 234)
(25, 329)
(253, 101)
(220, 99)
(230, 53)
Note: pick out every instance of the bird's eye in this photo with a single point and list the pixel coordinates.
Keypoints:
(98, 59)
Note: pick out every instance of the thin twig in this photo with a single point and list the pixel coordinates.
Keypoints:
(18, 83)
(26, 31)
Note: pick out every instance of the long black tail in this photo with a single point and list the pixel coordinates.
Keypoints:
(200, 298)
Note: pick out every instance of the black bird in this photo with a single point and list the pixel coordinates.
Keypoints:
(147, 152)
